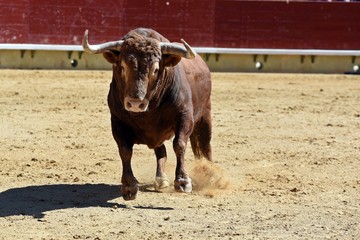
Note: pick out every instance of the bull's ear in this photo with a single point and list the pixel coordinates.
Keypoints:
(171, 60)
(111, 56)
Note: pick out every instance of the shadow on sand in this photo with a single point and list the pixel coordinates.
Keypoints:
(35, 200)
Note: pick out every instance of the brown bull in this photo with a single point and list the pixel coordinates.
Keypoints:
(159, 90)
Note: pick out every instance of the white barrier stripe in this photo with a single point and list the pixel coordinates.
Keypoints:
(40, 47)
(210, 50)
(268, 51)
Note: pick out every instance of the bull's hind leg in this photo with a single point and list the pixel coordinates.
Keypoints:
(161, 180)
(201, 137)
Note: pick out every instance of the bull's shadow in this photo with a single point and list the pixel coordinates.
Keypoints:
(35, 200)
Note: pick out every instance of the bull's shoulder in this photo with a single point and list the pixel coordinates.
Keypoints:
(195, 69)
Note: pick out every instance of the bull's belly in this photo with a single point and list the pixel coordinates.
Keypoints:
(152, 139)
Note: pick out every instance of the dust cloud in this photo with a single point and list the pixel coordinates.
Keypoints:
(207, 178)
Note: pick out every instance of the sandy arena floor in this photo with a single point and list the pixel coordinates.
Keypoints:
(286, 162)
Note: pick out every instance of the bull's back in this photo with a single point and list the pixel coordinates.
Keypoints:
(199, 78)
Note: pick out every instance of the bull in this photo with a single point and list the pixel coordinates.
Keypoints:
(159, 90)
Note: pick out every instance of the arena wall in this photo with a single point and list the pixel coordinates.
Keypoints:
(203, 23)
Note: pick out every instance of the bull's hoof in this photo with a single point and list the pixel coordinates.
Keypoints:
(183, 185)
(129, 192)
(161, 182)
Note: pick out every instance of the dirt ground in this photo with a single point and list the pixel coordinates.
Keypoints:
(286, 162)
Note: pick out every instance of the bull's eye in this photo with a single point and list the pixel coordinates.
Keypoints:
(155, 69)
(122, 67)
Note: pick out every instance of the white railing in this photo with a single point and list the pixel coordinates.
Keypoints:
(211, 50)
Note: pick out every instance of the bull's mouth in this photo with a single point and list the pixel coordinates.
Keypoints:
(136, 105)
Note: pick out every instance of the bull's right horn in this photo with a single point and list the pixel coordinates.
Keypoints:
(99, 48)
(183, 51)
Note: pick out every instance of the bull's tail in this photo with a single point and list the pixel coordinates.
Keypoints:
(200, 139)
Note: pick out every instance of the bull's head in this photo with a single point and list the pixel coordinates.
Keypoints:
(138, 64)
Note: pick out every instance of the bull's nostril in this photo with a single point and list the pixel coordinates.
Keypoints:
(135, 104)
(128, 105)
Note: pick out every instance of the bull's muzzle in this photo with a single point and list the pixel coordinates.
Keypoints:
(136, 104)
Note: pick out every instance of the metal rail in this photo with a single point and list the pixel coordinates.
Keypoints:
(210, 50)
(40, 47)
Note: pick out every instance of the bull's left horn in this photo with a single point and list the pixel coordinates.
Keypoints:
(183, 51)
(99, 48)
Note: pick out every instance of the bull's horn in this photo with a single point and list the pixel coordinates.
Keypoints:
(99, 48)
(184, 51)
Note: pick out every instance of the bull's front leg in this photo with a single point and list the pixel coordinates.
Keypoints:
(129, 188)
(182, 181)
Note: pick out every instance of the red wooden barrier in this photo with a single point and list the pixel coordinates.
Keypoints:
(213, 23)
